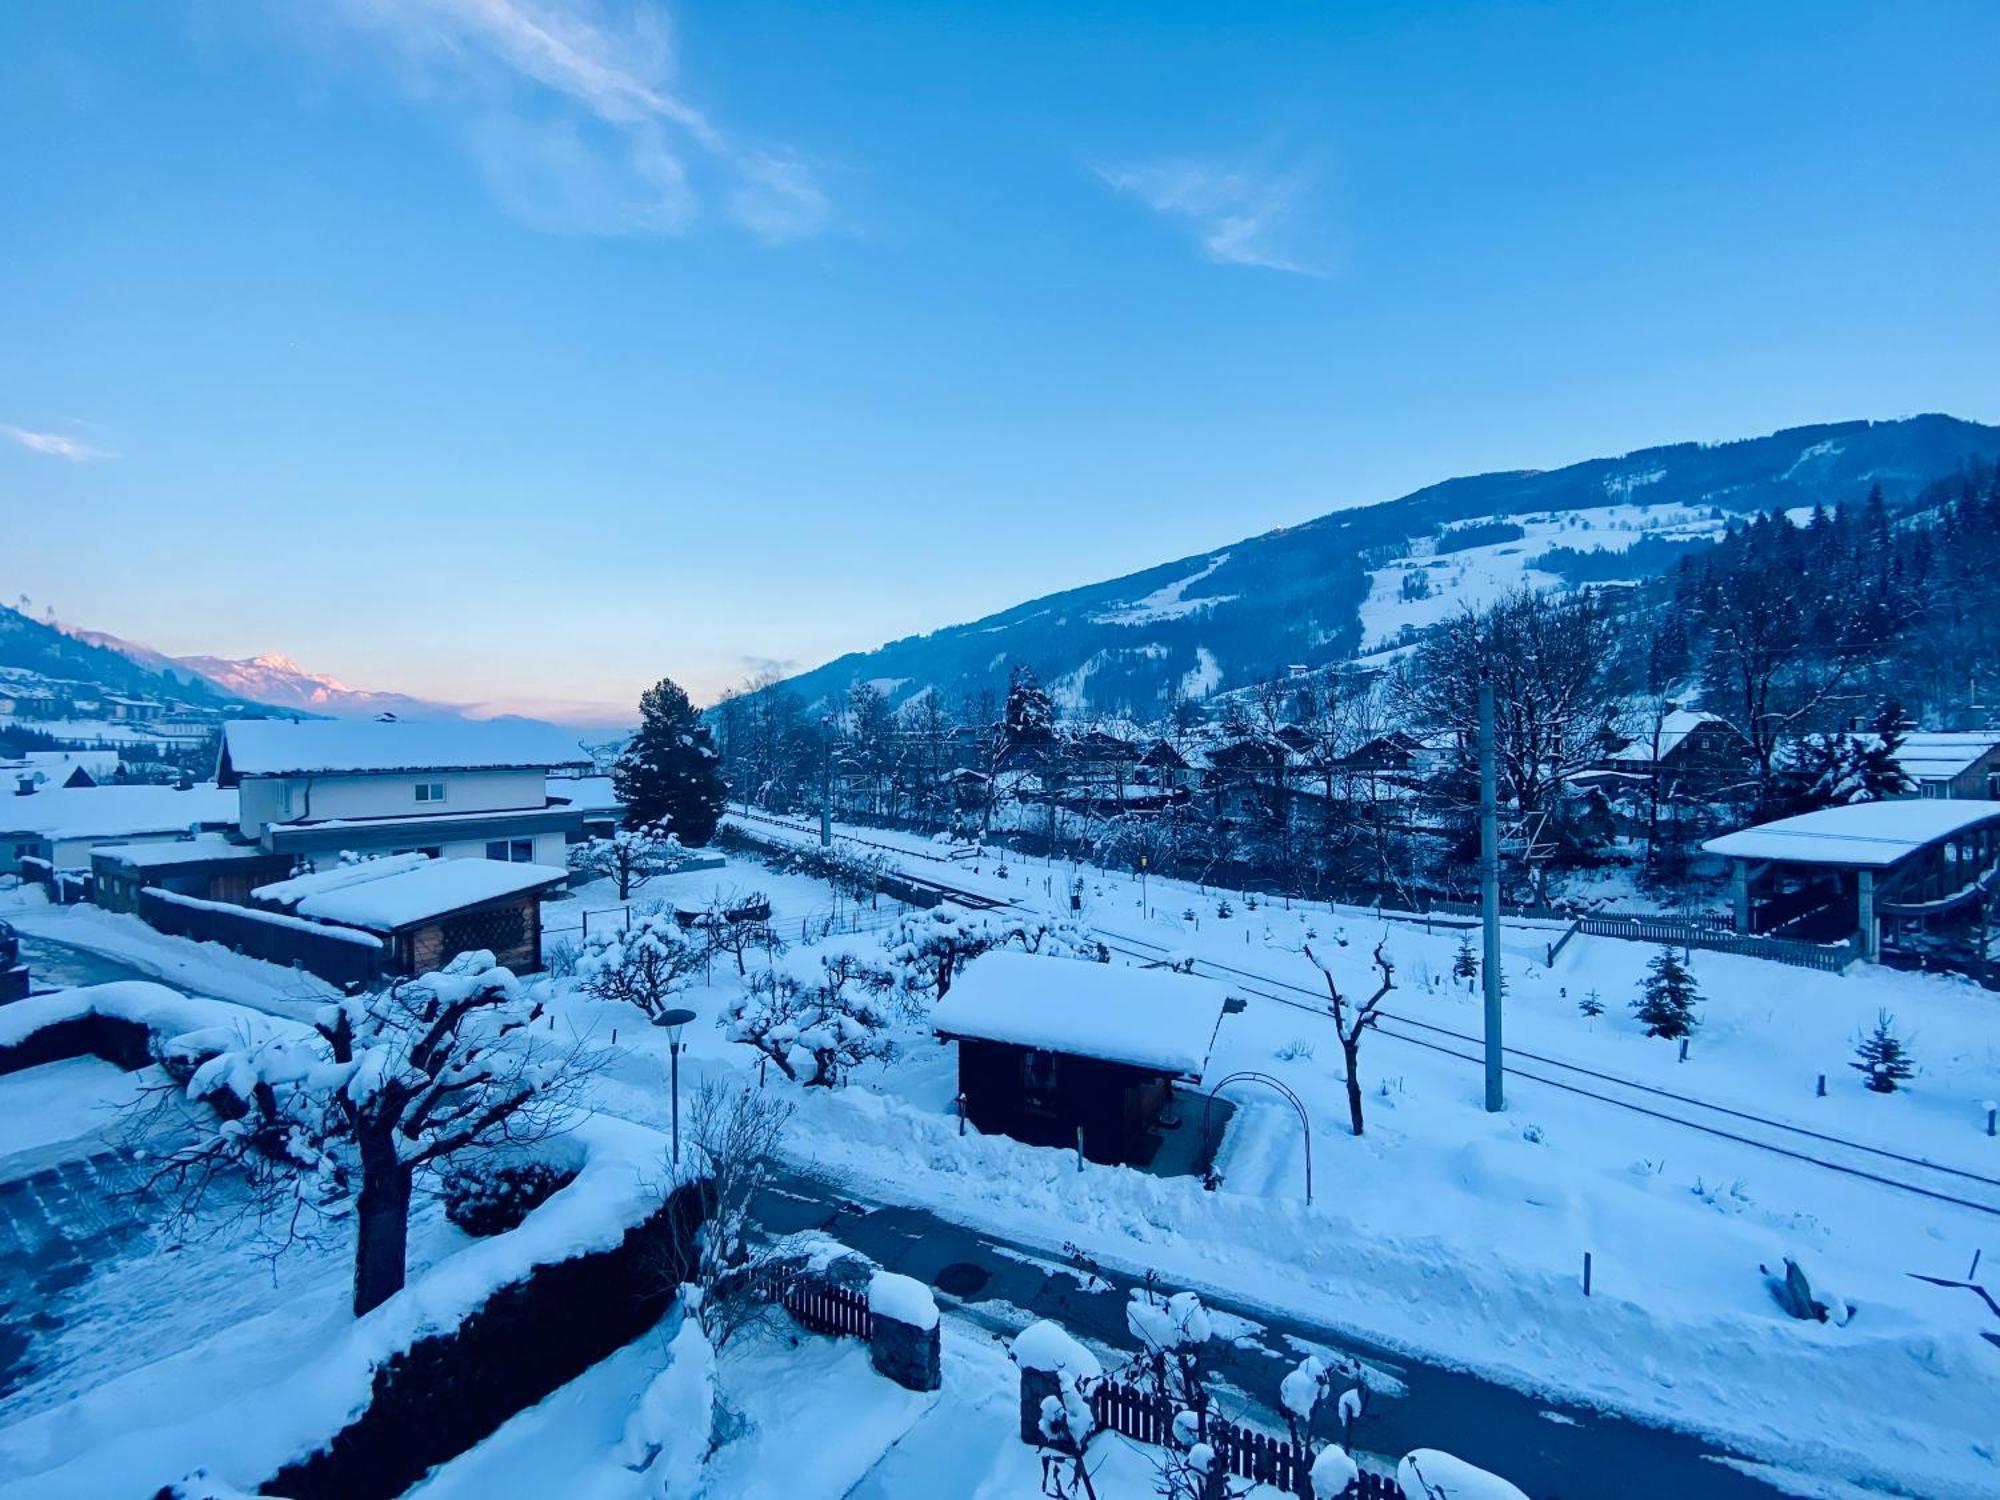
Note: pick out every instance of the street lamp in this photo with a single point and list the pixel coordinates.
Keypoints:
(673, 1020)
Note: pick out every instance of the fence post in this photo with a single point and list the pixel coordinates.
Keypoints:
(1586, 1273)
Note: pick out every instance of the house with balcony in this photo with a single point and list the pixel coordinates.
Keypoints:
(317, 789)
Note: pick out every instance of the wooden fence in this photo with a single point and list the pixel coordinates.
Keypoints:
(822, 1307)
(1245, 1453)
(1714, 935)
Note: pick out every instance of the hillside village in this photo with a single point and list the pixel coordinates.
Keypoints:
(999, 752)
(1170, 1035)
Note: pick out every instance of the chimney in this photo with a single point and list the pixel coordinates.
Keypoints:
(24, 785)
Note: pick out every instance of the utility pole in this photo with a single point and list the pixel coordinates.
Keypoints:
(826, 783)
(1489, 896)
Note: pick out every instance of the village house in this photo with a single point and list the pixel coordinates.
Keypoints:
(1692, 756)
(1064, 1052)
(317, 789)
(1956, 765)
(59, 826)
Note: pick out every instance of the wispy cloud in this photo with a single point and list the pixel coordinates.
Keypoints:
(1240, 217)
(578, 124)
(54, 445)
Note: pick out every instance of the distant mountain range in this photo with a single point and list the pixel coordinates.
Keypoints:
(272, 680)
(1360, 580)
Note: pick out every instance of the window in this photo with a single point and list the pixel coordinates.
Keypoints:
(518, 851)
(430, 791)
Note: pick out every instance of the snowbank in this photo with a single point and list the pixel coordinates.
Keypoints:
(1427, 1472)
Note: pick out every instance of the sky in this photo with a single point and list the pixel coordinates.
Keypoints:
(525, 351)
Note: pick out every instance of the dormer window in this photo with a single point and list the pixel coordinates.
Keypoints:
(430, 791)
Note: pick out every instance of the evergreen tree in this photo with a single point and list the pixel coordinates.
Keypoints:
(669, 774)
(1591, 1005)
(1883, 1060)
(1667, 997)
(1030, 713)
(1464, 965)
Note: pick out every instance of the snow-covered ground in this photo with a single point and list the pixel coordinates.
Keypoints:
(1446, 1232)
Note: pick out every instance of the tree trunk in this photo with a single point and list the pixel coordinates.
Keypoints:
(382, 1236)
(1352, 1049)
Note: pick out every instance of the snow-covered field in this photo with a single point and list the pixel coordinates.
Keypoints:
(1446, 1232)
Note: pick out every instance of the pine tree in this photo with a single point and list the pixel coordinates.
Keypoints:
(1465, 966)
(1667, 997)
(1591, 1004)
(1030, 715)
(669, 774)
(1884, 1061)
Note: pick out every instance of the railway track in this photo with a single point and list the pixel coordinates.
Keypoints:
(1901, 1171)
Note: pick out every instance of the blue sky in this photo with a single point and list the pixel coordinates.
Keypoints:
(524, 350)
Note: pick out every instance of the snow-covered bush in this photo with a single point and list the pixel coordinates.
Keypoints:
(1430, 1474)
(644, 966)
(492, 1197)
(670, 1432)
(835, 1012)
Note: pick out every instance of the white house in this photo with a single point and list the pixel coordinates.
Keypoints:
(62, 824)
(319, 788)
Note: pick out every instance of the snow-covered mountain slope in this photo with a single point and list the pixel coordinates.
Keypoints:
(1351, 581)
(277, 680)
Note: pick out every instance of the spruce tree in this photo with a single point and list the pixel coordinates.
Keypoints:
(1591, 1005)
(669, 774)
(1465, 966)
(1667, 997)
(1883, 1060)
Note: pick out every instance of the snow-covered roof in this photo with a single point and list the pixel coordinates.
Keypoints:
(338, 877)
(1942, 756)
(586, 793)
(1144, 1018)
(325, 747)
(111, 812)
(198, 850)
(1674, 727)
(403, 895)
(1866, 835)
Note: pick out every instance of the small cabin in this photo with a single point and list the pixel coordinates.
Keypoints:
(1066, 1052)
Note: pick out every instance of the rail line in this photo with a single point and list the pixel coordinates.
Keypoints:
(1793, 1142)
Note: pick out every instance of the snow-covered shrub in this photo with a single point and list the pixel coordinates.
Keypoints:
(559, 958)
(644, 966)
(492, 1197)
(1333, 1473)
(1430, 1474)
(835, 1012)
(670, 1433)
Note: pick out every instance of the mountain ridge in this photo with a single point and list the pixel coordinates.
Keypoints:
(1305, 593)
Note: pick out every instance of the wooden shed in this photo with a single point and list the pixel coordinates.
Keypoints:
(1050, 1049)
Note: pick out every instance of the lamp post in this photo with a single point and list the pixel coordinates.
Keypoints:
(673, 1020)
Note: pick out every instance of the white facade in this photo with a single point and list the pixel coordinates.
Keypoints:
(387, 794)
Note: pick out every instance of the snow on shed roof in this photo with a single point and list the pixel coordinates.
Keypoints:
(1870, 835)
(112, 812)
(197, 850)
(1942, 756)
(586, 793)
(282, 747)
(407, 895)
(1144, 1018)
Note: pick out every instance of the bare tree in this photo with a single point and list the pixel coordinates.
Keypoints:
(735, 924)
(1351, 1020)
(387, 1086)
(735, 1134)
